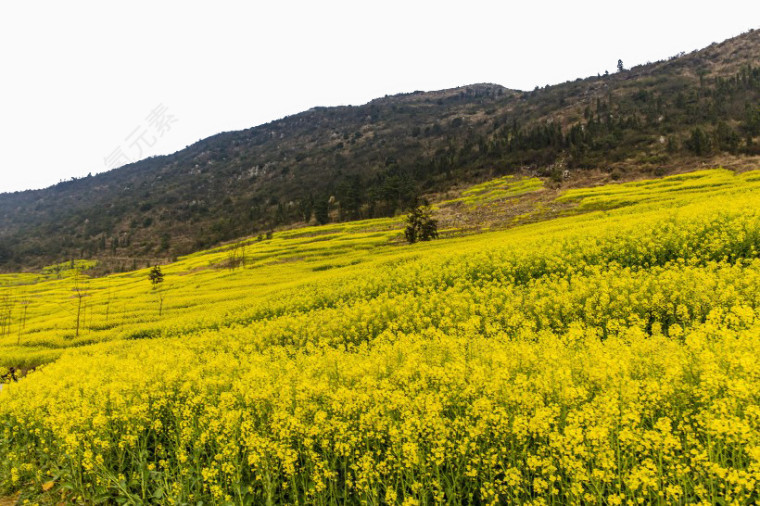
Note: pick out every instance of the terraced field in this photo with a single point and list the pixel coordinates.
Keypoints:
(605, 352)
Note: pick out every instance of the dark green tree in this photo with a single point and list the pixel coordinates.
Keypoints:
(620, 66)
(156, 276)
(751, 123)
(349, 193)
(306, 207)
(322, 211)
(726, 138)
(6, 255)
(420, 226)
(699, 143)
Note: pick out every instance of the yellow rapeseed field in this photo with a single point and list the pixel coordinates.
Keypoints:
(608, 356)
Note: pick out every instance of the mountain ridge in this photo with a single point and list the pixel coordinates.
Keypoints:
(346, 162)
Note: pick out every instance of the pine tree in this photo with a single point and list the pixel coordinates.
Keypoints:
(156, 276)
(322, 211)
(420, 226)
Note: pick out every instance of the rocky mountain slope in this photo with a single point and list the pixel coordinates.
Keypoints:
(341, 163)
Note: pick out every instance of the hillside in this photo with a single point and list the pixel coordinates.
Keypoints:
(602, 349)
(345, 163)
(265, 282)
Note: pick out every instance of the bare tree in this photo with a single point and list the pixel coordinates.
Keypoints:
(81, 291)
(25, 302)
(6, 313)
(236, 257)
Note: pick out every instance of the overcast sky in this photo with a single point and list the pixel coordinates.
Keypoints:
(88, 86)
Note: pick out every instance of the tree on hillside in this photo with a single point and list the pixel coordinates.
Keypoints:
(699, 142)
(6, 255)
(81, 291)
(6, 312)
(25, 302)
(156, 277)
(420, 226)
(306, 208)
(236, 256)
(620, 66)
(322, 211)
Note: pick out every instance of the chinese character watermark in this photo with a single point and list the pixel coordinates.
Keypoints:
(156, 124)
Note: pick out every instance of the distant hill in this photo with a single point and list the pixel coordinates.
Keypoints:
(342, 163)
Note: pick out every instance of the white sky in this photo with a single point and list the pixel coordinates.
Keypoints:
(78, 78)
